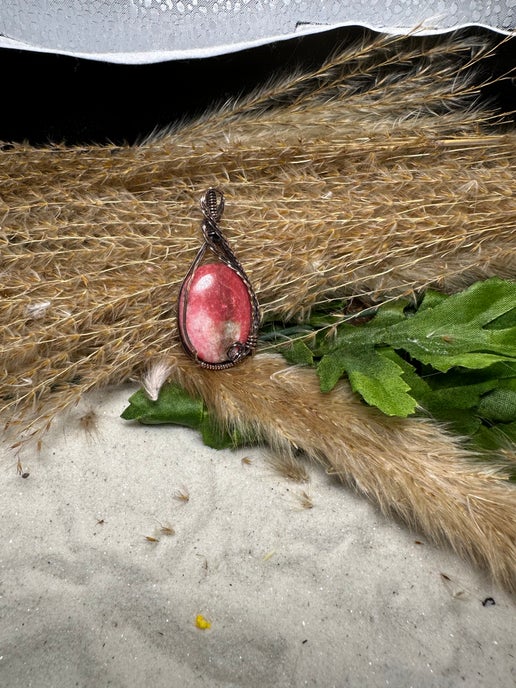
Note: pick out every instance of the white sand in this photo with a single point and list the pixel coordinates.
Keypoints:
(335, 595)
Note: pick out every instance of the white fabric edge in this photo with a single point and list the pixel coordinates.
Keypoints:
(150, 57)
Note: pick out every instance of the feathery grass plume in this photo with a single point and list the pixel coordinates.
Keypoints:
(305, 499)
(289, 466)
(88, 422)
(182, 495)
(373, 176)
(155, 376)
(411, 468)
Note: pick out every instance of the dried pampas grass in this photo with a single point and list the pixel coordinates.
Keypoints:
(372, 176)
(411, 467)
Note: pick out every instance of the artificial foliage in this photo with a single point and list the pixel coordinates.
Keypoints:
(175, 405)
(451, 357)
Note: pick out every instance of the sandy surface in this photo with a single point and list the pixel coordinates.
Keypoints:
(335, 595)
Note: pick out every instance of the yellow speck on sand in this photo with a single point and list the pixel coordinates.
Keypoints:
(201, 622)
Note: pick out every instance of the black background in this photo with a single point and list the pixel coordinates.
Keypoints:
(55, 98)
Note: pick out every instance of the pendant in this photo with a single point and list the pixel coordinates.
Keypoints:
(218, 314)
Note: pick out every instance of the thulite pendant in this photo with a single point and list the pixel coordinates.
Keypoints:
(218, 314)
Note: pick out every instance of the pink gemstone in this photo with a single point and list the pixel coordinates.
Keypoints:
(217, 312)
